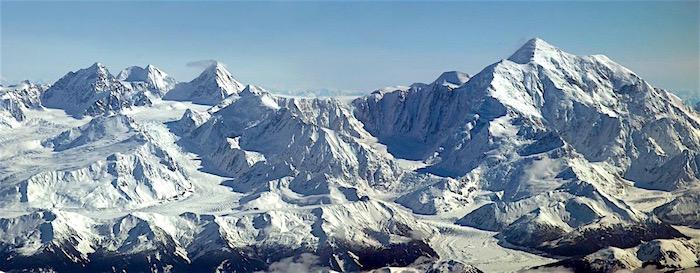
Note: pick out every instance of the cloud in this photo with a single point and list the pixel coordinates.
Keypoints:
(556, 269)
(201, 63)
(303, 263)
(319, 93)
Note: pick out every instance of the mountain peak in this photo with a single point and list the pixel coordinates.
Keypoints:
(132, 73)
(533, 49)
(154, 70)
(140, 74)
(218, 69)
(97, 65)
(216, 65)
(98, 68)
(252, 90)
(210, 87)
(218, 74)
(92, 91)
(159, 81)
(452, 78)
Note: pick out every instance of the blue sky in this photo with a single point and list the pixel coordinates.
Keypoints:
(343, 45)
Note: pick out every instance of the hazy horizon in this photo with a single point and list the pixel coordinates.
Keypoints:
(355, 46)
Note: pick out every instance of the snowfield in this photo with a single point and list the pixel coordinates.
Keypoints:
(542, 161)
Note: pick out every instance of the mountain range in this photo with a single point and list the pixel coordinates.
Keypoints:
(544, 160)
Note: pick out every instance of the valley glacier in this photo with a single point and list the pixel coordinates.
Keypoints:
(541, 161)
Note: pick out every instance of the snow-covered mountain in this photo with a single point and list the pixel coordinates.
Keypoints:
(684, 210)
(211, 86)
(92, 91)
(320, 93)
(550, 93)
(15, 100)
(574, 158)
(559, 137)
(312, 143)
(653, 256)
(191, 242)
(107, 163)
(151, 78)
